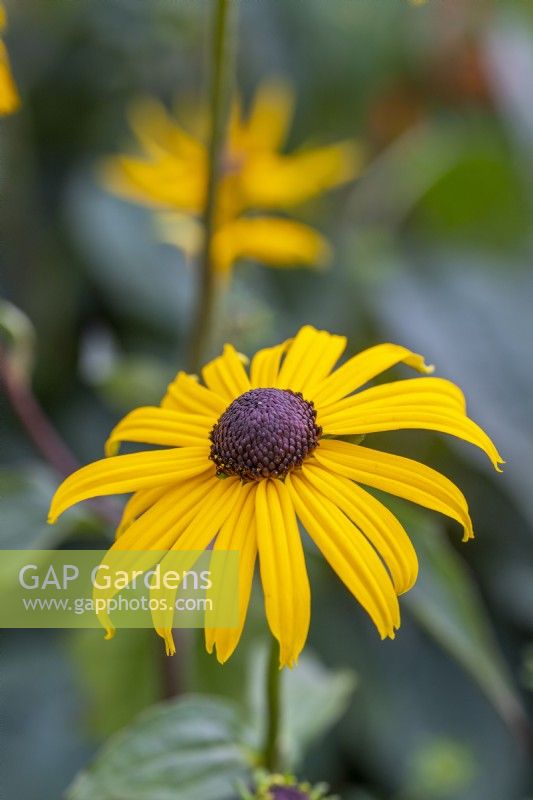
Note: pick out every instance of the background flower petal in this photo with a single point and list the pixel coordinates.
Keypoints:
(281, 181)
(164, 183)
(273, 241)
(159, 132)
(9, 96)
(270, 117)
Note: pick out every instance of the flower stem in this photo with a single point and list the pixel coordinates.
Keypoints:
(221, 81)
(42, 433)
(271, 749)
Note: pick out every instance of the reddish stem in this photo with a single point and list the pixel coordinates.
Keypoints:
(42, 433)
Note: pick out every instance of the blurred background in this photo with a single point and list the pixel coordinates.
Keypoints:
(433, 249)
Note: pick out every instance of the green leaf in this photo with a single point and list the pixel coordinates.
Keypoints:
(446, 602)
(455, 208)
(440, 768)
(187, 749)
(316, 699)
(458, 301)
(126, 252)
(119, 679)
(25, 496)
(509, 46)
(135, 381)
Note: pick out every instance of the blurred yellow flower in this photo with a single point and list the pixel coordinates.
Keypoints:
(275, 434)
(171, 176)
(9, 97)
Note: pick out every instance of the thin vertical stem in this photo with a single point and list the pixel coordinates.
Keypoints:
(34, 420)
(42, 433)
(221, 81)
(271, 749)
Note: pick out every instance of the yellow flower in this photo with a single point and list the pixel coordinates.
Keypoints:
(9, 98)
(171, 176)
(274, 433)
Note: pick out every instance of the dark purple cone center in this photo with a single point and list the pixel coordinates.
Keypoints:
(287, 793)
(264, 433)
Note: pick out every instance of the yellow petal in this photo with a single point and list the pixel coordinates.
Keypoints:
(129, 473)
(230, 202)
(166, 183)
(181, 230)
(238, 534)
(361, 368)
(269, 240)
(9, 96)
(265, 365)
(205, 524)
(162, 524)
(410, 417)
(283, 570)
(140, 502)
(159, 529)
(348, 553)
(435, 392)
(152, 534)
(166, 635)
(162, 426)
(161, 134)
(310, 357)
(226, 375)
(397, 475)
(270, 118)
(187, 395)
(376, 522)
(270, 180)
(210, 515)
(141, 546)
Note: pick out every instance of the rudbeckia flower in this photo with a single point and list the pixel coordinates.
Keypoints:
(171, 173)
(286, 787)
(9, 98)
(248, 454)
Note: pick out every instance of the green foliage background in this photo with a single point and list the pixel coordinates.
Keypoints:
(433, 249)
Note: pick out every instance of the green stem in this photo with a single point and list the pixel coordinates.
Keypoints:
(221, 81)
(271, 749)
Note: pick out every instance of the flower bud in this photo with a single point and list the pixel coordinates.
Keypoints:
(286, 787)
